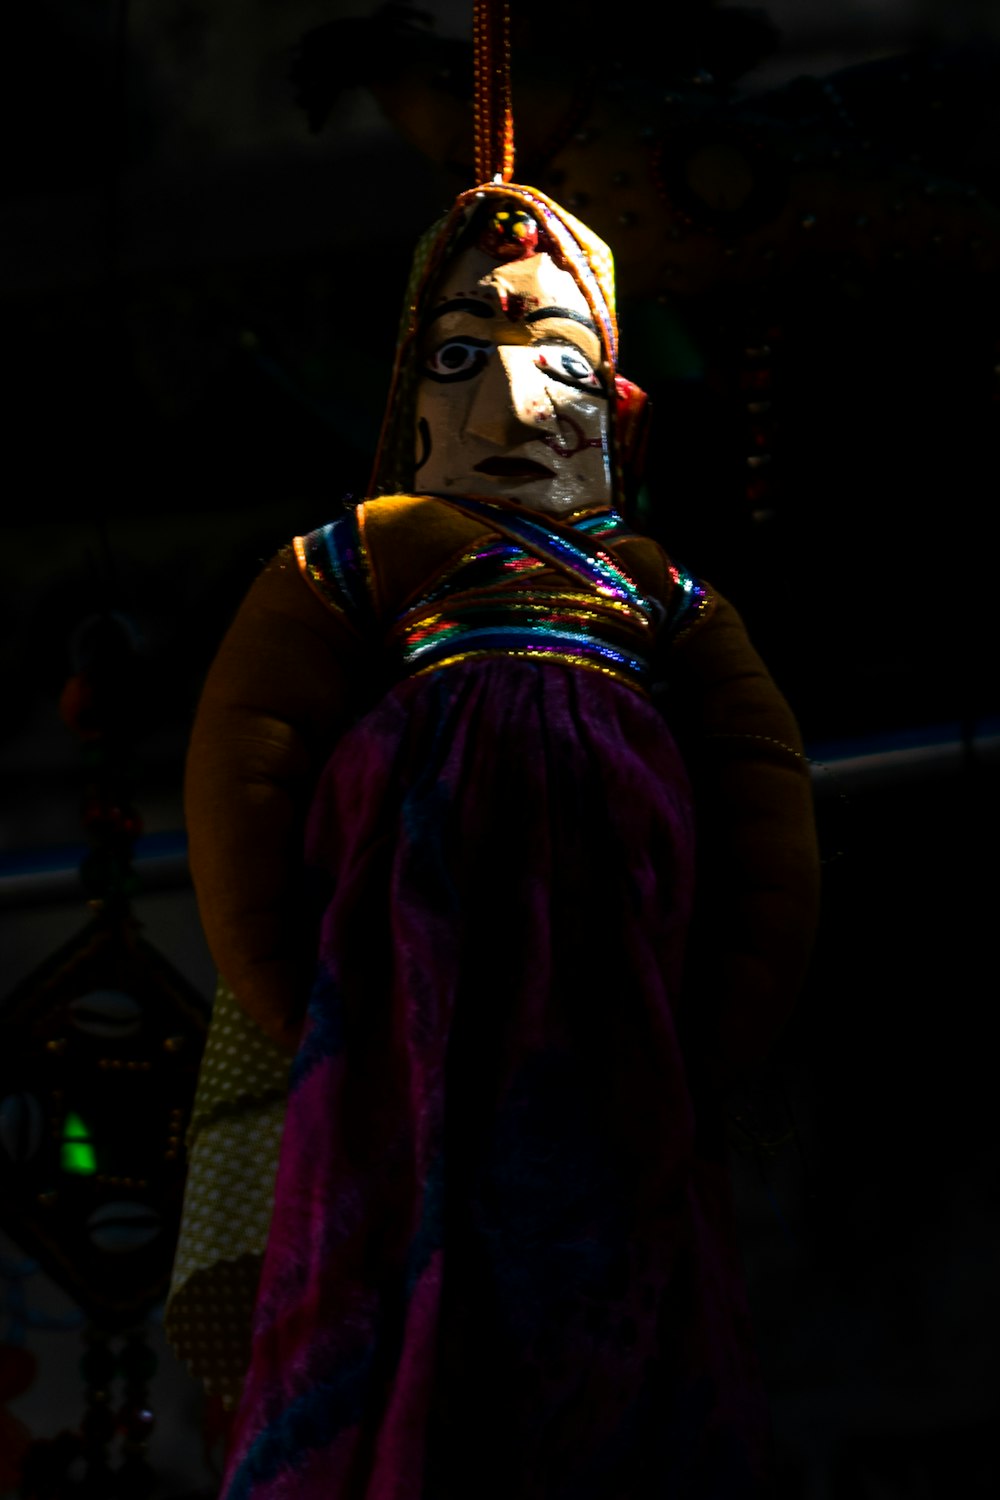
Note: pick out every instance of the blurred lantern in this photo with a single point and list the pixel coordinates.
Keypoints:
(99, 1053)
(97, 1070)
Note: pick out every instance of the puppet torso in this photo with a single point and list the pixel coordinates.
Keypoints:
(504, 582)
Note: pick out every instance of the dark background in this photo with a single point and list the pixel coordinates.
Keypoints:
(203, 262)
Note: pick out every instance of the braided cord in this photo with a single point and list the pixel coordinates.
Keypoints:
(494, 116)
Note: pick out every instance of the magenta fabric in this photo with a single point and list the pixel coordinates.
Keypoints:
(503, 1258)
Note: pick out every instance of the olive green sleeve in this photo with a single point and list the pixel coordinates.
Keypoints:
(757, 893)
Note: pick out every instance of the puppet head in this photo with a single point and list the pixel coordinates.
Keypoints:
(504, 384)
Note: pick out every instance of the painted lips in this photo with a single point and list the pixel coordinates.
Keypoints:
(513, 468)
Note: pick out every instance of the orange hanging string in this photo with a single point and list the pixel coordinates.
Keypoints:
(494, 115)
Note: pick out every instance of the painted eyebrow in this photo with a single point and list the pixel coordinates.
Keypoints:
(484, 310)
(462, 304)
(561, 312)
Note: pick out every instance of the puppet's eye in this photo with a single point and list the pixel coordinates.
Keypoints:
(458, 359)
(563, 362)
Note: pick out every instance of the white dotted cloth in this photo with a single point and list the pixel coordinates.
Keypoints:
(233, 1145)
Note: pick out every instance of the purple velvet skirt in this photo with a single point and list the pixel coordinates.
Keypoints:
(500, 1264)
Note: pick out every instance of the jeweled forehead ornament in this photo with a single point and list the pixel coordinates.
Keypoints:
(511, 234)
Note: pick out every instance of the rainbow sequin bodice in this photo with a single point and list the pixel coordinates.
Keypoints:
(529, 591)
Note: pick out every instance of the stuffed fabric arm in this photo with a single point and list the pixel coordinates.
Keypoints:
(275, 699)
(757, 898)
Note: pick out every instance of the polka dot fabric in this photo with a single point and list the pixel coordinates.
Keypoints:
(233, 1145)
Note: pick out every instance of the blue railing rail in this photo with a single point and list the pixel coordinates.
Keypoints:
(30, 877)
(899, 757)
(893, 759)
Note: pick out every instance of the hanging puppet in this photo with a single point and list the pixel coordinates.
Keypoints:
(502, 839)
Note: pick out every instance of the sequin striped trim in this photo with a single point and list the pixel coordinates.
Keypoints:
(691, 602)
(489, 565)
(564, 624)
(511, 560)
(551, 608)
(562, 658)
(335, 561)
(596, 568)
(533, 641)
(603, 524)
(492, 602)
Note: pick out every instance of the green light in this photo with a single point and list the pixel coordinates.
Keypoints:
(77, 1153)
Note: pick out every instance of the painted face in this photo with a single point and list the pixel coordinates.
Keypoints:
(513, 396)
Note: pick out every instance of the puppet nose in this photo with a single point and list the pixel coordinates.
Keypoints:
(510, 396)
